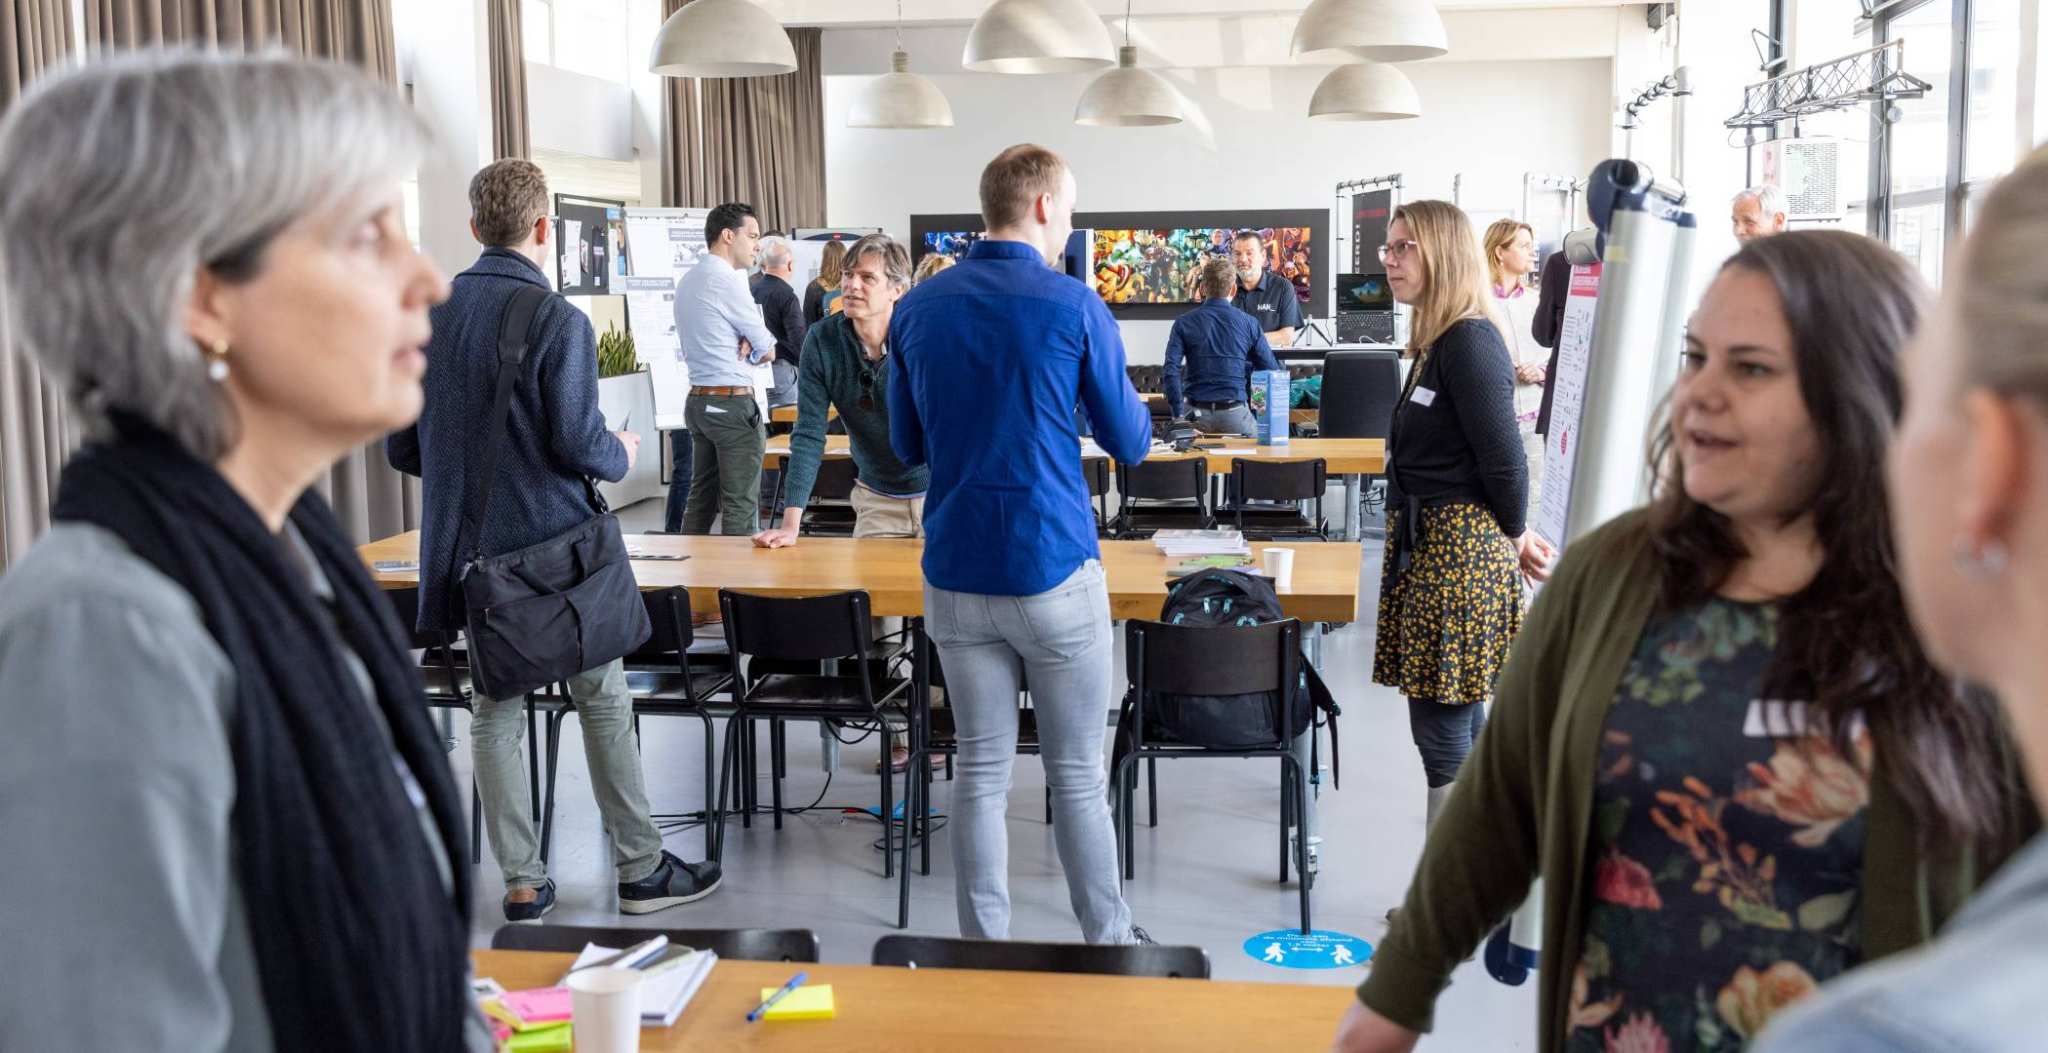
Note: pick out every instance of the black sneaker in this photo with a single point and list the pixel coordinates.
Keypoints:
(672, 884)
(1140, 936)
(531, 912)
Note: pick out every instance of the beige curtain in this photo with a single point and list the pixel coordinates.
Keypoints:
(764, 141)
(371, 498)
(509, 126)
(35, 434)
(682, 137)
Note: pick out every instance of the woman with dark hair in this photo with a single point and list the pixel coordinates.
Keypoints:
(1718, 741)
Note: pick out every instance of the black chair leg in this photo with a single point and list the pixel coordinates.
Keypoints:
(1152, 788)
(711, 816)
(1048, 806)
(913, 809)
(547, 817)
(743, 790)
(1300, 782)
(728, 779)
(476, 824)
(533, 753)
(889, 806)
(775, 767)
(1286, 817)
(924, 821)
(1120, 807)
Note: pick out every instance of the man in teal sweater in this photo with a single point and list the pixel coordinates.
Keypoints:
(845, 364)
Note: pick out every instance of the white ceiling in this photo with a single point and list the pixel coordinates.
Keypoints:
(872, 13)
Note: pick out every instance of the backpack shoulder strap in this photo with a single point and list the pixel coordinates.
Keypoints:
(515, 336)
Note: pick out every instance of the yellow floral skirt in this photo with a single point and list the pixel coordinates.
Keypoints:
(1447, 621)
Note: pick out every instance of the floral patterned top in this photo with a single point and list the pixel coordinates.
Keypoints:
(1728, 846)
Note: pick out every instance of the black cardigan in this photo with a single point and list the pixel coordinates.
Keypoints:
(1454, 436)
(1549, 325)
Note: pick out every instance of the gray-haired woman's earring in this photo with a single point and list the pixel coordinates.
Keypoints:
(217, 362)
(1983, 560)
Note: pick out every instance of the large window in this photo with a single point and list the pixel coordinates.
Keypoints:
(582, 36)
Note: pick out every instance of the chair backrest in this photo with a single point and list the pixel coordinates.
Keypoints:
(1201, 660)
(668, 611)
(796, 628)
(1096, 471)
(753, 945)
(936, 952)
(1186, 480)
(834, 482)
(1359, 391)
(1279, 480)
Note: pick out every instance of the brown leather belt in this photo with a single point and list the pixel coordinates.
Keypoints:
(746, 392)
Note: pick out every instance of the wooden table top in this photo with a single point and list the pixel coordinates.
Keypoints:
(787, 414)
(1325, 586)
(1342, 456)
(953, 1010)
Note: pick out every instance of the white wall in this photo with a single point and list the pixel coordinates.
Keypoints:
(1491, 121)
(578, 114)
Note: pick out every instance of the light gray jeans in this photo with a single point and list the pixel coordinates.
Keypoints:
(1237, 420)
(605, 711)
(1060, 641)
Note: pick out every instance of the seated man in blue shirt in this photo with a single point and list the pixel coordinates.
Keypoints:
(991, 357)
(1223, 347)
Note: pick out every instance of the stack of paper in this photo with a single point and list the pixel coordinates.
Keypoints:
(672, 979)
(535, 1021)
(1219, 542)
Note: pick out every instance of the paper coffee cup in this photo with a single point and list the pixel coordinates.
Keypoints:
(604, 1005)
(1278, 564)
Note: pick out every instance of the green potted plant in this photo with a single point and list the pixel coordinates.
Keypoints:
(615, 356)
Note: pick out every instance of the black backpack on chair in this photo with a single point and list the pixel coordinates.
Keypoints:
(1221, 599)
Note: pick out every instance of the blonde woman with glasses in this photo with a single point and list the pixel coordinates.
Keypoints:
(1457, 539)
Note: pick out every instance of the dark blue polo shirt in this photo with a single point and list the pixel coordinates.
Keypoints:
(1272, 302)
(1222, 347)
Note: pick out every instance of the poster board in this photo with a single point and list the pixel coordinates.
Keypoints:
(587, 236)
(662, 244)
(1567, 401)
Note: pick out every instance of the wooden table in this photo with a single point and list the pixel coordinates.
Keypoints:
(1344, 457)
(778, 448)
(1325, 587)
(957, 1010)
(787, 414)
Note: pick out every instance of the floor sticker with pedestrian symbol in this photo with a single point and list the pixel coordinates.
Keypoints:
(1320, 949)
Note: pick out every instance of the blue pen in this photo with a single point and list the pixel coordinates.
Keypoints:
(794, 983)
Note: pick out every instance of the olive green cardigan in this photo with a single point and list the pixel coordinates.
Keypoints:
(1524, 801)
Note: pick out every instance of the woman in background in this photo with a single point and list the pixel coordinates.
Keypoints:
(1718, 742)
(824, 289)
(1457, 539)
(1969, 495)
(1510, 247)
(933, 263)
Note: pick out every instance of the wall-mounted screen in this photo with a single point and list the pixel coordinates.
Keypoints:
(1142, 264)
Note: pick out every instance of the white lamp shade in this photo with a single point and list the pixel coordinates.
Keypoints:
(1129, 97)
(900, 99)
(1365, 91)
(1377, 30)
(722, 38)
(1038, 36)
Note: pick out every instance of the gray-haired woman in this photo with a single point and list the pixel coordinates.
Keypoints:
(225, 815)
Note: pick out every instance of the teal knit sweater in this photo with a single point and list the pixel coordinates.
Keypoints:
(830, 372)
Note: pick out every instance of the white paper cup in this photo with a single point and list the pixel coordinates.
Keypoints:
(1278, 564)
(604, 1005)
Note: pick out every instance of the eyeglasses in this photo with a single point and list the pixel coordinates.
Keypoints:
(1395, 250)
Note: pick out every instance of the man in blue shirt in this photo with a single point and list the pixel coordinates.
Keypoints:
(1223, 347)
(992, 356)
(724, 338)
(1265, 295)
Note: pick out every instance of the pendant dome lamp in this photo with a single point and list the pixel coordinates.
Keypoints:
(1365, 91)
(722, 38)
(1129, 97)
(1038, 36)
(900, 98)
(1375, 30)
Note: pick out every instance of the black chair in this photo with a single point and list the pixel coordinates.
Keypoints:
(830, 512)
(1097, 471)
(936, 952)
(748, 945)
(445, 669)
(1360, 389)
(1184, 660)
(1162, 495)
(1288, 482)
(781, 633)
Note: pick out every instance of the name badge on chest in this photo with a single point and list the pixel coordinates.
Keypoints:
(1424, 397)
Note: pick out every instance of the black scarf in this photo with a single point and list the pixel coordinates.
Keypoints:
(358, 944)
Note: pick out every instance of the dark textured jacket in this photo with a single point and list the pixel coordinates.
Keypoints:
(784, 315)
(554, 435)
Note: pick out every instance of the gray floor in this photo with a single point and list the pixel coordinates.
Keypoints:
(1205, 876)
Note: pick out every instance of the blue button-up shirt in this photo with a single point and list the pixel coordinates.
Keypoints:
(714, 309)
(992, 356)
(1223, 348)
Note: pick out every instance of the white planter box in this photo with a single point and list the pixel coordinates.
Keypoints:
(617, 397)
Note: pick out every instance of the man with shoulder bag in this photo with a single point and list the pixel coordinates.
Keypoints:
(518, 550)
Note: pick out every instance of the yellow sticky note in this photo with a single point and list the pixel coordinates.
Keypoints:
(554, 1038)
(810, 1002)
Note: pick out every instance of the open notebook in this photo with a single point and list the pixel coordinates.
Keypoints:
(670, 982)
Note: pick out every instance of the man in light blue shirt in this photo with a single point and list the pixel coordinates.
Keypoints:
(723, 339)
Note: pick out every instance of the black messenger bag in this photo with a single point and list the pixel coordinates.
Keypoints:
(549, 611)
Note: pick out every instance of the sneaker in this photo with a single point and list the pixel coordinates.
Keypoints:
(530, 912)
(1140, 936)
(672, 884)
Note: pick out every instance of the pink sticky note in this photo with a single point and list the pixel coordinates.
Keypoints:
(542, 1005)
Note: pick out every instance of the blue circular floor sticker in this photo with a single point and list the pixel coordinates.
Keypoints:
(1320, 949)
